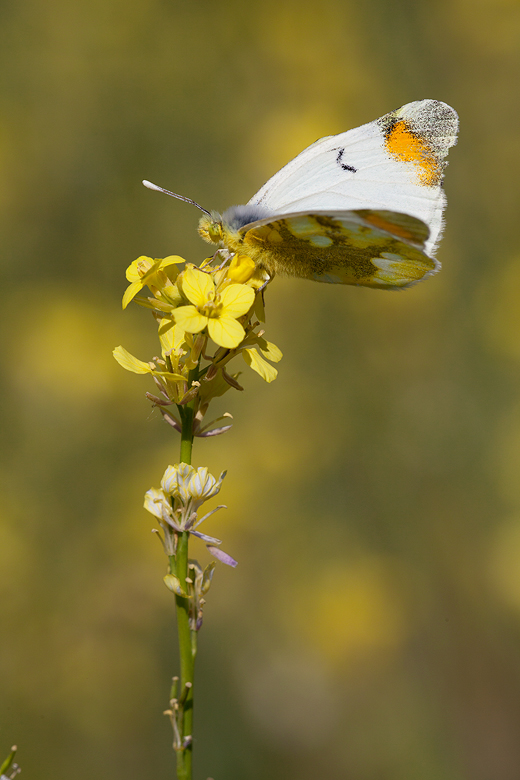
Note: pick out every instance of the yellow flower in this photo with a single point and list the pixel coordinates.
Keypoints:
(147, 272)
(218, 311)
(241, 269)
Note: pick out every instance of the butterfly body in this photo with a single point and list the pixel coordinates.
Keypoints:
(364, 247)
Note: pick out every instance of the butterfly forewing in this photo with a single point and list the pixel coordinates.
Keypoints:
(394, 163)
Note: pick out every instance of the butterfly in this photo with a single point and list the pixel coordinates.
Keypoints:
(364, 207)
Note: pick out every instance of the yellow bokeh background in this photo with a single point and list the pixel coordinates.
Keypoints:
(372, 628)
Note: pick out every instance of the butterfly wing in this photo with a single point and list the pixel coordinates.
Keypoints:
(395, 163)
(372, 248)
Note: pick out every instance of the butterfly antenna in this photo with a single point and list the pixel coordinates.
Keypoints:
(173, 195)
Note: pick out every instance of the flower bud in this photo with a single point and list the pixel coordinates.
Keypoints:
(241, 269)
(189, 484)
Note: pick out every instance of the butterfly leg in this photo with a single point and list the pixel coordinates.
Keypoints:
(267, 281)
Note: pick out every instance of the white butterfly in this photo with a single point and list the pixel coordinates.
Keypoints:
(363, 207)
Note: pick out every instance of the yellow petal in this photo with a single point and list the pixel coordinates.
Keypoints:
(226, 331)
(131, 292)
(141, 264)
(270, 350)
(166, 330)
(198, 287)
(179, 337)
(130, 362)
(237, 299)
(189, 319)
(171, 260)
(171, 335)
(258, 364)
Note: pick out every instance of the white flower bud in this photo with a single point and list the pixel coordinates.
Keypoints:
(189, 485)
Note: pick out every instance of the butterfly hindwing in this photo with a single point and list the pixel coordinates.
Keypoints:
(371, 248)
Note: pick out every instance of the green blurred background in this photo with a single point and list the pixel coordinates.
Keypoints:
(372, 628)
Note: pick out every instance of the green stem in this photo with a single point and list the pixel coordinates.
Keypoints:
(179, 566)
(187, 647)
(186, 413)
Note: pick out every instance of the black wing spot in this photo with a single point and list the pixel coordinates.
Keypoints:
(344, 166)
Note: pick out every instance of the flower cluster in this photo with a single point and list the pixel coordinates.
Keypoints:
(206, 316)
(184, 489)
(176, 504)
(194, 308)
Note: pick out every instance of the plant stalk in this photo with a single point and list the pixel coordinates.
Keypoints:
(187, 642)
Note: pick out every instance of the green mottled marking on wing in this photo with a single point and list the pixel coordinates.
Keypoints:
(363, 248)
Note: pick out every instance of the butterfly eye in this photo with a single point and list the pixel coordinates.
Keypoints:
(210, 229)
(215, 232)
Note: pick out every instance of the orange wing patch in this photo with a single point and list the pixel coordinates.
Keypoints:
(406, 146)
(401, 225)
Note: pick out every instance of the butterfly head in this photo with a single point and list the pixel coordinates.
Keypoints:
(224, 229)
(210, 228)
